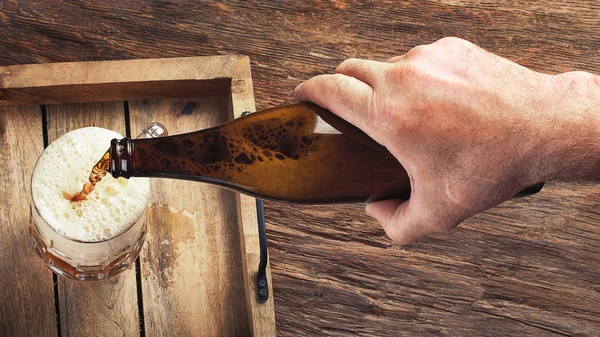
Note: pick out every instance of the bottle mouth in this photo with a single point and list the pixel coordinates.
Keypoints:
(119, 163)
(120, 152)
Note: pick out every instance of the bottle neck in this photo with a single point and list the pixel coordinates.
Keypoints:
(121, 163)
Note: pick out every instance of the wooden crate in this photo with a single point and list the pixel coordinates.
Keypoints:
(198, 269)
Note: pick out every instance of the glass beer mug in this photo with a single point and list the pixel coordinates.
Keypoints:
(93, 239)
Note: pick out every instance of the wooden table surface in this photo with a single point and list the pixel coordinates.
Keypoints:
(528, 267)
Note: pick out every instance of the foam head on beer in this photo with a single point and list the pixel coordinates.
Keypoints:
(64, 166)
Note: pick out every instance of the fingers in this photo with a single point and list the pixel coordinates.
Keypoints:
(345, 96)
(400, 220)
(367, 71)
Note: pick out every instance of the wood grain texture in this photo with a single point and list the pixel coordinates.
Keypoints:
(191, 264)
(528, 267)
(506, 270)
(107, 308)
(26, 289)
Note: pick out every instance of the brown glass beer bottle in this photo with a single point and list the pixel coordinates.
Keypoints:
(296, 153)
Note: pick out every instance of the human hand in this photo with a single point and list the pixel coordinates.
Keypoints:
(472, 129)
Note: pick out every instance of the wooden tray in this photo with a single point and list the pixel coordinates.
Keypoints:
(198, 268)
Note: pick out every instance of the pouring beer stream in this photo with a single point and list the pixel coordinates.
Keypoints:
(102, 166)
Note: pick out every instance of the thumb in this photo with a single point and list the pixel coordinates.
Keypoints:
(401, 220)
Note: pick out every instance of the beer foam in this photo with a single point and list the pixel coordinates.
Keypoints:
(65, 165)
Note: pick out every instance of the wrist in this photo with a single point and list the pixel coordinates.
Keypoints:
(571, 125)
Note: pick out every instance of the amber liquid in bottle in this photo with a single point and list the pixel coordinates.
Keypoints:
(286, 153)
(297, 153)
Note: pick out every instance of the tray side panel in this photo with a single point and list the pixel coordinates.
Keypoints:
(111, 306)
(263, 314)
(136, 70)
(104, 92)
(26, 287)
(192, 269)
(48, 83)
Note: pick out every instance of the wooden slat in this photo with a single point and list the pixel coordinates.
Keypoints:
(106, 308)
(191, 265)
(26, 288)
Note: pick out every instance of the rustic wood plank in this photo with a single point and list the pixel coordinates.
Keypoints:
(507, 271)
(26, 289)
(290, 41)
(192, 262)
(107, 308)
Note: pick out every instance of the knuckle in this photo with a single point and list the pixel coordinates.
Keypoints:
(416, 52)
(578, 82)
(457, 45)
(582, 78)
(452, 41)
(395, 59)
(346, 64)
(335, 83)
(316, 81)
(339, 89)
(459, 49)
(342, 66)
